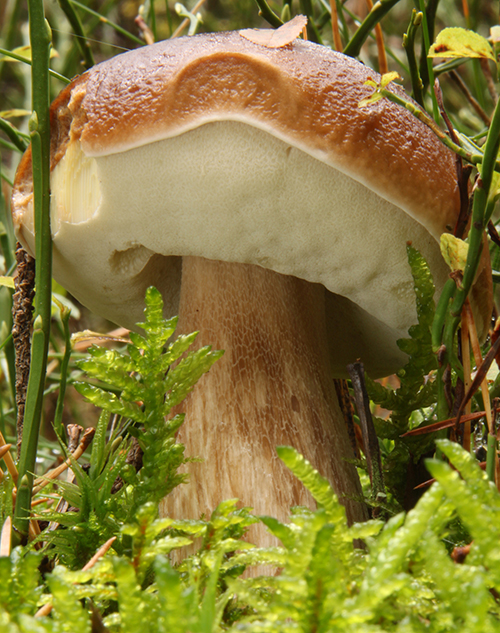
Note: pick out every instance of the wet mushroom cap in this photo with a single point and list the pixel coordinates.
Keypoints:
(217, 147)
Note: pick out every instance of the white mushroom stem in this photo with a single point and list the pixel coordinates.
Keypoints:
(273, 386)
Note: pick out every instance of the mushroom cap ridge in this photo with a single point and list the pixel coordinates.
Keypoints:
(303, 94)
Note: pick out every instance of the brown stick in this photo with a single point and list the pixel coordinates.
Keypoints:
(47, 608)
(9, 462)
(41, 482)
(379, 38)
(467, 381)
(337, 40)
(470, 97)
(22, 310)
(476, 350)
(147, 33)
(370, 439)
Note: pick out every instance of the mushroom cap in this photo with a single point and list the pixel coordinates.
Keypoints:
(218, 147)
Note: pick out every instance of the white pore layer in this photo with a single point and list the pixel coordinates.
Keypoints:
(229, 191)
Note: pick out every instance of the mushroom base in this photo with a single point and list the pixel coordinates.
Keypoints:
(272, 387)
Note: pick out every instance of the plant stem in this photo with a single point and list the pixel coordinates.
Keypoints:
(430, 20)
(15, 136)
(430, 70)
(268, 14)
(379, 10)
(480, 219)
(104, 20)
(440, 315)
(313, 33)
(20, 58)
(490, 456)
(152, 19)
(11, 29)
(6, 244)
(58, 424)
(81, 40)
(409, 46)
(479, 207)
(40, 37)
(421, 115)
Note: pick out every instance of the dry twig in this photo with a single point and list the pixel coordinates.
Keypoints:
(337, 40)
(9, 462)
(47, 608)
(41, 482)
(5, 537)
(22, 311)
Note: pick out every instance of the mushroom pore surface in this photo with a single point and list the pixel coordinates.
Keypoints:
(217, 147)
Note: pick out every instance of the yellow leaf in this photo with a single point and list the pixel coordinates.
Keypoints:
(457, 42)
(25, 53)
(376, 96)
(10, 114)
(8, 282)
(454, 251)
(88, 335)
(387, 78)
(494, 192)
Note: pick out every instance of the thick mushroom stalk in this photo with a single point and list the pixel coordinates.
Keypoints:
(272, 387)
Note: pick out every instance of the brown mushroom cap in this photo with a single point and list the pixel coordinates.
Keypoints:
(217, 147)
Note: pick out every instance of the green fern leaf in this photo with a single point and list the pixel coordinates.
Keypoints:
(317, 485)
(109, 402)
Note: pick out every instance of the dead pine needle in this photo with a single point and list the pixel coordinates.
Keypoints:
(47, 608)
(379, 38)
(467, 381)
(445, 424)
(337, 40)
(34, 530)
(99, 554)
(147, 33)
(41, 482)
(478, 359)
(7, 458)
(5, 537)
(482, 368)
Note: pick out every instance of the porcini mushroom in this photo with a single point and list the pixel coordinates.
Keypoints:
(273, 213)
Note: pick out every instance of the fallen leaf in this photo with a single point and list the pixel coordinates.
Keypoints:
(276, 38)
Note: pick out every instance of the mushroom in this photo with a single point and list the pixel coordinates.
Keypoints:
(272, 213)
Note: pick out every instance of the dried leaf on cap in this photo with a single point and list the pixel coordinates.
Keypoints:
(276, 38)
